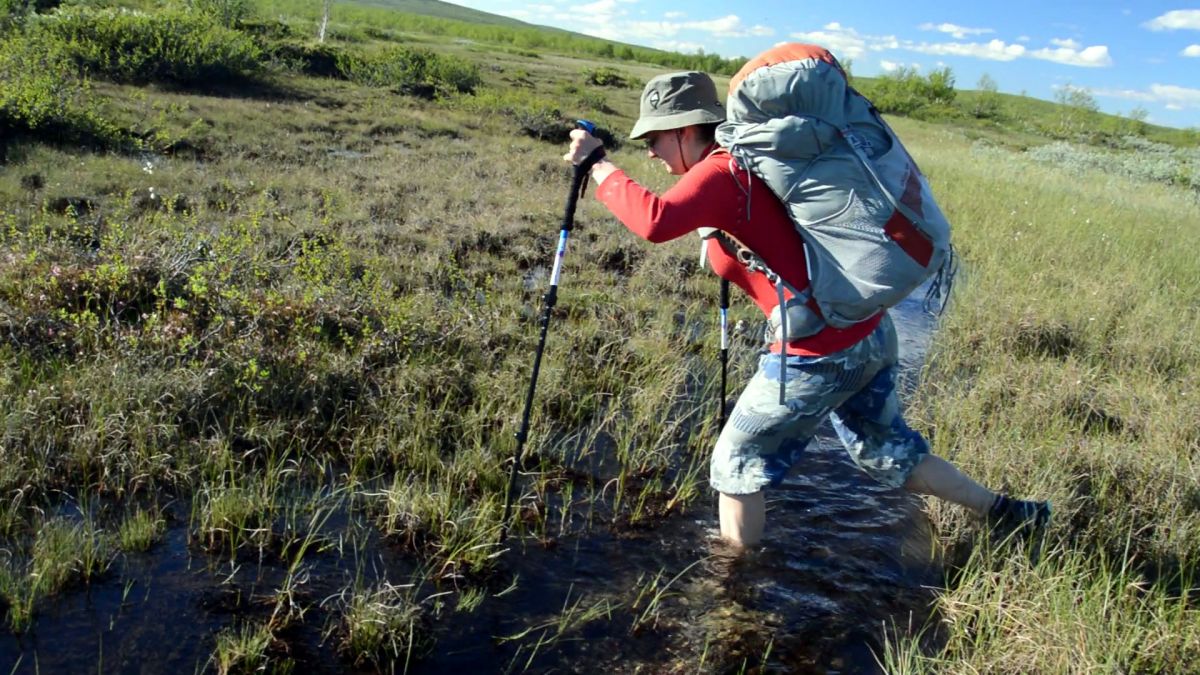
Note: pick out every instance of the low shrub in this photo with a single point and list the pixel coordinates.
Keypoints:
(311, 58)
(228, 13)
(180, 46)
(606, 77)
(411, 70)
(906, 92)
(1135, 158)
(43, 92)
(12, 12)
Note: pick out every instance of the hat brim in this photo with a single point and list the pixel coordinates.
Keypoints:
(645, 125)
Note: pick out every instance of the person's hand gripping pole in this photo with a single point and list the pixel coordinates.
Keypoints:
(594, 153)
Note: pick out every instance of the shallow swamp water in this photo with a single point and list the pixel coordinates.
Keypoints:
(845, 562)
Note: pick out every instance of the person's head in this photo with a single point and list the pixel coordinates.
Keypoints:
(679, 115)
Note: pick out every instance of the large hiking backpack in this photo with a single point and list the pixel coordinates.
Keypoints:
(871, 228)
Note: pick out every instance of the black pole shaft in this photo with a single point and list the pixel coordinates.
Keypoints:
(724, 351)
(548, 302)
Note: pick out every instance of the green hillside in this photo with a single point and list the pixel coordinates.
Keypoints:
(445, 10)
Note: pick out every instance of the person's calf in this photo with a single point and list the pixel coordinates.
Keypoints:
(742, 518)
(939, 478)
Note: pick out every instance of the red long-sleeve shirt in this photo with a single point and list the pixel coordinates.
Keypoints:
(713, 193)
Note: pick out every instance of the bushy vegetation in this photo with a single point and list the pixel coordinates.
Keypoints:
(1136, 158)
(607, 77)
(906, 92)
(44, 92)
(171, 45)
(408, 69)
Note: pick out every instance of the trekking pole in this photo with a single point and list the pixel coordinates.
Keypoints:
(724, 305)
(578, 185)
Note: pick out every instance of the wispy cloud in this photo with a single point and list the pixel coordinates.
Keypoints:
(995, 50)
(610, 20)
(602, 7)
(847, 43)
(678, 46)
(892, 66)
(957, 32)
(729, 26)
(1179, 19)
(1090, 57)
(1191, 50)
(726, 26)
(1172, 96)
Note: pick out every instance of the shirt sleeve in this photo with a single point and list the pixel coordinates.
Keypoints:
(698, 199)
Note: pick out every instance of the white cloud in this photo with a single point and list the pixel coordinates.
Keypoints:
(726, 26)
(1178, 19)
(1067, 52)
(681, 47)
(1095, 56)
(729, 26)
(674, 15)
(958, 32)
(653, 29)
(598, 7)
(1171, 96)
(847, 43)
(889, 66)
(995, 50)
(1191, 50)
(1024, 38)
(1179, 95)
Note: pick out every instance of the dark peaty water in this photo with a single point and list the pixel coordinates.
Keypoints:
(845, 561)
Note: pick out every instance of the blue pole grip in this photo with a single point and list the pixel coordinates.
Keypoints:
(586, 125)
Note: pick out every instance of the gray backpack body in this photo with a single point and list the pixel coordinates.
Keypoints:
(871, 228)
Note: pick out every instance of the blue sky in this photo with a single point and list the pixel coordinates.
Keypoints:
(1127, 54)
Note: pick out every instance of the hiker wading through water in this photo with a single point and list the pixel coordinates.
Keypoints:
(846, 374)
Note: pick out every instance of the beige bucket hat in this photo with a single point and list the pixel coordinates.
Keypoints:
(678, 100)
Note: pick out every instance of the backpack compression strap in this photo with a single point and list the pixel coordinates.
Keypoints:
(755, 263)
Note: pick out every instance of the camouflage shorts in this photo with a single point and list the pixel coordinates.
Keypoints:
(855, 387)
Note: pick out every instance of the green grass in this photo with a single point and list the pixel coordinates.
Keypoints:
(140, 531)
(1064, 370)
(385, 626)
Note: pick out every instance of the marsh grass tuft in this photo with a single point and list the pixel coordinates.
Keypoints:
(385, 626)
(245, 649)
(63, 552)
(140, 531)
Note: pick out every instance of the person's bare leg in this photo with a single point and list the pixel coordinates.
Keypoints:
(935, 476)
(742, 518)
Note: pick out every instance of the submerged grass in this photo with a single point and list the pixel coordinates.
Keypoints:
(63, 552)
(385, 626)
